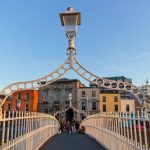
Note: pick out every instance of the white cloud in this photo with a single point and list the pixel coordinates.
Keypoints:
(138, 57)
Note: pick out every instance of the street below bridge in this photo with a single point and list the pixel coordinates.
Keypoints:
(66, 141)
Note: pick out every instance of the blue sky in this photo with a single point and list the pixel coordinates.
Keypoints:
(113, 39)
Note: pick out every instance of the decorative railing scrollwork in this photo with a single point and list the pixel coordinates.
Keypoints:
(87, 75)
(111, 84)
(70, 106)
(34, 84)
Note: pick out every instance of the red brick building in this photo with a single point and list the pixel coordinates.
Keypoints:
(25, 100)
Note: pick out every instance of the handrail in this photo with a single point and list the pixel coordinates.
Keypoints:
(26, 130)
(119, 130)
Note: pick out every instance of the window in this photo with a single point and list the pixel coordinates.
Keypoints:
(83, 105)
(127, 108)
(19, 96)
(83, 116)
(104, 108)
(9, 98)
(57, 94)
(83, 93)
(9, 107)
(27, 107)
(93, 93)
(45, 110)
(104, 98)
(116, 99)
(93, 105)
(116, 108)
(45, 95)
(27, 96)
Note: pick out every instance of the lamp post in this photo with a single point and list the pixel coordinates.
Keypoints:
(70, 99)
(70, 19)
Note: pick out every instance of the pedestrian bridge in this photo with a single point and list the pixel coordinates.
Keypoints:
(115, 131)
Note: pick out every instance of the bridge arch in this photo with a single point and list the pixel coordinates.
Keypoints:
(81, 71)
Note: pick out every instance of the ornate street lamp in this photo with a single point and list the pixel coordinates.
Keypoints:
(70, 99)
(70, 20)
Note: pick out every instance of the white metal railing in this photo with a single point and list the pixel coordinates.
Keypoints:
(26, 131)
(119, 131)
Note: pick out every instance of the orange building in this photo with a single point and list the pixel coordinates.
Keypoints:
(25, 100)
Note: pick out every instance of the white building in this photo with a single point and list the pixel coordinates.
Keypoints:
(145, 88)
(88, 100)
(127, 105)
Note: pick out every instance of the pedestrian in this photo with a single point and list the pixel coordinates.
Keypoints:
(68, 126)
(77, 126)
(70, 129)
(61, 127)
(73, 129)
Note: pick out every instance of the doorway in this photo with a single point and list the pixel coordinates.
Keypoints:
(69, 115)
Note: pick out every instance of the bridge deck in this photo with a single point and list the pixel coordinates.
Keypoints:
(66, 141)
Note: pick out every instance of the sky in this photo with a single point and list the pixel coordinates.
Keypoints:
(113, 39)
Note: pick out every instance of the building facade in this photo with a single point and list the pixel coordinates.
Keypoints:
(146, 90)
(128, 105)
(25, 100)
(123, 94)
(124, 97)
(88, 101)
(110, 102)
(54, 98)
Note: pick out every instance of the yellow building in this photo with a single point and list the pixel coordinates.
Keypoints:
(110, 102)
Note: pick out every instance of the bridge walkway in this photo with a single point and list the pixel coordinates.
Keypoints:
(66, 141)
